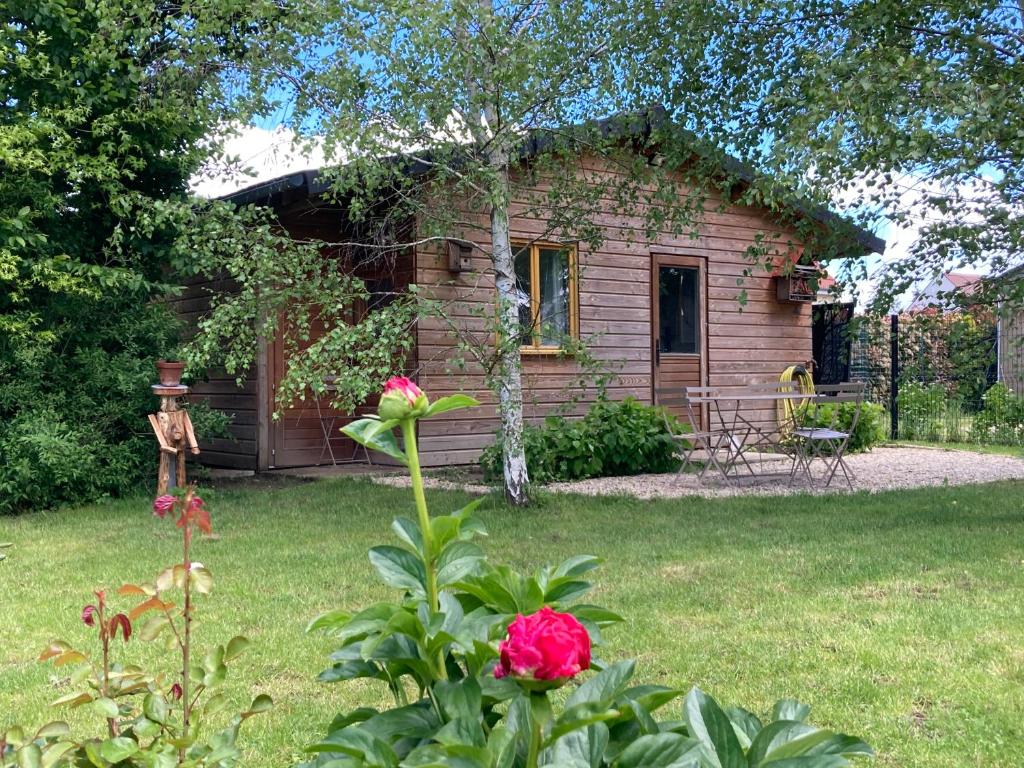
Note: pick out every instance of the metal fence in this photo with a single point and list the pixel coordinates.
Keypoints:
(934, 374)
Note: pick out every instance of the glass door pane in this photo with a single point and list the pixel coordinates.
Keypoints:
(679, 310)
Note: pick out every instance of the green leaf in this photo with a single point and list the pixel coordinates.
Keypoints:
(53, 730)
(711, 727)
(153, 626)
(117, 749)
(745, 724)
(236, 646)
(580, 716)
(377, 436)
(30, 756)
(456, 561)
(409, 532)
(262, 703)
(460, 699)
(450, 403)
(662, 750)
(106, 707)
(201, 579)
(774, 735)
(790, 709)
(604, 686)
(155, 708)
(399, 568)
(330, 621)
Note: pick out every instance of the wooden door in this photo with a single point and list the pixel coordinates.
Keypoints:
(297, 437)
(679, 321)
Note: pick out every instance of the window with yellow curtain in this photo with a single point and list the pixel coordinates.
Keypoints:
(546, 295)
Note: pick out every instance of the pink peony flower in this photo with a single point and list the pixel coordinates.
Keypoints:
(176, 691)
(546, 645)
(89, 615)
(404, 386)
(163, 504)
(401, 399)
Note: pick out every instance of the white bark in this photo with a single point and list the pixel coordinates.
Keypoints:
(509, 383)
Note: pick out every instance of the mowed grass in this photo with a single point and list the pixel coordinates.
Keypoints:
(899, 617)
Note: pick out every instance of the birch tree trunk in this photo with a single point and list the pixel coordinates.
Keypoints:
(509, 381)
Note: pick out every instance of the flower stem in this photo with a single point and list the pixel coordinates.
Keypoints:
(429, 556)
(186, 706)
(535, 736)
(412, 454)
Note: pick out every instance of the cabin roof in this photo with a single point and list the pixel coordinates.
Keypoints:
(311, 183)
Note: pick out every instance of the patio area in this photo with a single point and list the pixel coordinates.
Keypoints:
(882, 469)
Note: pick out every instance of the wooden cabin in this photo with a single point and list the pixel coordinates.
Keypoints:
(656, 312)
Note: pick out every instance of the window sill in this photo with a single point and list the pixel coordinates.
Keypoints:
(544, 351)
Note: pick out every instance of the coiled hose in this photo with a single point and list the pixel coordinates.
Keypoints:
(787, 410)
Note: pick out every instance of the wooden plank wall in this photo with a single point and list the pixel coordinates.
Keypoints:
(219, 390)
(752, 345)
(296, 435)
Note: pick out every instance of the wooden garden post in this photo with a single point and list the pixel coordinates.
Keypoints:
(173, 429)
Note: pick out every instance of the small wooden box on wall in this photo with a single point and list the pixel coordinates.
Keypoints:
(459, 255)
(799, 287)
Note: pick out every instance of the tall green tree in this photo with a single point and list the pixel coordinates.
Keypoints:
(907, 109)
(419, 104)
(105, 110)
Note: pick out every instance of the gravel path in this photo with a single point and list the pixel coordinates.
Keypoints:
(879, 470)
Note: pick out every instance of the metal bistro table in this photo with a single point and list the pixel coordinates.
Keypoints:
(736, 433)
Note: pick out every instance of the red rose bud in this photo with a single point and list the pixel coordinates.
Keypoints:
(89, 615)
(545, 646)
(176, 691)
(163, 504)
(401, 399)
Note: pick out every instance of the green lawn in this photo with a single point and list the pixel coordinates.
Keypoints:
(899, 617)
(999, 450)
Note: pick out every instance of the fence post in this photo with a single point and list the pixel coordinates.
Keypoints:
(894, 378)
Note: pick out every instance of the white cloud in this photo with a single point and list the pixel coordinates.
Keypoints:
(251, 155)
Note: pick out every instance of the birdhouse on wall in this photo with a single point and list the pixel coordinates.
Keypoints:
(798, 287)
(459, 255)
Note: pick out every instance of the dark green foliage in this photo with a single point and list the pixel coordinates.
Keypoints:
(615, 438)
(870, 428)
(1001, 420)
(73, 423)
(105, 109)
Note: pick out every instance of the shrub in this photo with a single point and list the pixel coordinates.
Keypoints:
(471, 654)
(73, 408)
(870, 428)
(622, 437)
(922, 411)
(1001, 419)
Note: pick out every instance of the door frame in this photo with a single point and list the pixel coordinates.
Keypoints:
(659, 259)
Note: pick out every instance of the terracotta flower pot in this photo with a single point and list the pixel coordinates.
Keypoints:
(170, 372)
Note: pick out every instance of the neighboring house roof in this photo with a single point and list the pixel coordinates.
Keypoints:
(938, 292)
(963, 281)
(310, 183)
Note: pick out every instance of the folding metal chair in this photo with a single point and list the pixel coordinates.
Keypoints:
(710, 441)
(826, 443)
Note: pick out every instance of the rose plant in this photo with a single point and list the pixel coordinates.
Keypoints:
(152, 719)
(477, 658)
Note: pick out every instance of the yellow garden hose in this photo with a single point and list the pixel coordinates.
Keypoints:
(786, 410)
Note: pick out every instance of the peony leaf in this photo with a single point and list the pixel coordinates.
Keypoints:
(707, 723)
(450, 403)
(376, 435)
(399, 568)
